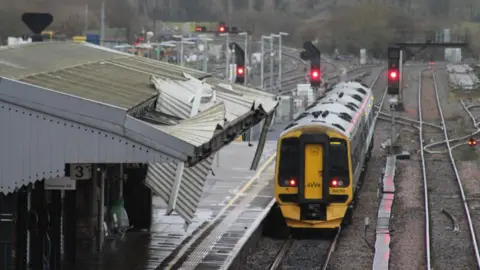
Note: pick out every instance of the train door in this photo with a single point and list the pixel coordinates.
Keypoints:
(313, 168)
(313, 184)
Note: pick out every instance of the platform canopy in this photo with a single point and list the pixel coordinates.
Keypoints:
(80, 103)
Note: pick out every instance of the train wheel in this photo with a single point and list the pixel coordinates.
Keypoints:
(275, 225)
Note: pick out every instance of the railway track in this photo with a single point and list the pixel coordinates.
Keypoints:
(293, 249)
(444, 193)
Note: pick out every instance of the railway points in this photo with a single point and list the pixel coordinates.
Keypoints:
(441, 245)
(435, 209)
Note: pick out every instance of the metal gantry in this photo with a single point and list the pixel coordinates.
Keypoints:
(205, 40)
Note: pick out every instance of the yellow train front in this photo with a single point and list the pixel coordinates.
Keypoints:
(321, 157)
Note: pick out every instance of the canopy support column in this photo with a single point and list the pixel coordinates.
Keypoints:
(172, 202)
(261, 141)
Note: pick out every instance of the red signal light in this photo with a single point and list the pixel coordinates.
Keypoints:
(198, 29)
(315, 74)
(334, 183)
(221, 29)
(292, 182)
(472, 142)
(393, 75)
(240, 71)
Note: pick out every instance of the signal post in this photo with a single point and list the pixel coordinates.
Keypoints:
(313, 55)
(395, 91)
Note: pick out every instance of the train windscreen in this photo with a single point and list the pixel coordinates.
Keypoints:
(338, 159)
(289, 161)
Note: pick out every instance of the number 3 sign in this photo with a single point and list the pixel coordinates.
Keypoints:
(80, 171)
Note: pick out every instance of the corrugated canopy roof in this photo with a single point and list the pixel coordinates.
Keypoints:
(88, 71)
(127, 87)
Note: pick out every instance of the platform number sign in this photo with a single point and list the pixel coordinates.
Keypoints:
(80, 171)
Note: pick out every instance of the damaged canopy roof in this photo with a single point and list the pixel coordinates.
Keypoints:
(163, 106)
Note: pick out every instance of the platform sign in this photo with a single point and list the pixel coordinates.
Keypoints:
(60, 183)
(80, 171)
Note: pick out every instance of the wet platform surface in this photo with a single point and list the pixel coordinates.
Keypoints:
(234, 202)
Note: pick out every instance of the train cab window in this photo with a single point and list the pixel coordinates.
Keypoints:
(338, 161)
(290, 155)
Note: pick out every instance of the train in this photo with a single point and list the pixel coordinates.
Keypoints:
(321, 157)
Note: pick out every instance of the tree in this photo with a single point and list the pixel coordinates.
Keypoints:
(120, 14)
(367, 25)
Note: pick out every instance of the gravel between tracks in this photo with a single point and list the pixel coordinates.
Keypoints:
(352, 251)
(408, 218)
(264, 254)
(306, 254)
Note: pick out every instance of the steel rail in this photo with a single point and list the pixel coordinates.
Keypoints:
(424, 174)
(287, 244)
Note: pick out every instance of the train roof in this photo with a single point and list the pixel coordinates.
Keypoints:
(336, 109)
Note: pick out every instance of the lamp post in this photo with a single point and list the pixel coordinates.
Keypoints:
(182, 41)
(279, 36)
(205, 40)
(227, 40)
(262, 60)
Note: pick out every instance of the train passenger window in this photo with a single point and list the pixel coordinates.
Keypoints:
(338, 160)
(289, 161)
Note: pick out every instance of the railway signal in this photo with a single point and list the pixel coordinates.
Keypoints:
(239, 62)
(200, 29)
(240, 74)
(313, 55)
(393, 70)
(472, 142)
(222, 28)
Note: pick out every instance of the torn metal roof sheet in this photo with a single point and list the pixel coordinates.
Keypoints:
(199, 129)
(160, 178)
(176, 97)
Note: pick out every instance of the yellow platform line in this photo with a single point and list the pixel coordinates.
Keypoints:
(250, 182)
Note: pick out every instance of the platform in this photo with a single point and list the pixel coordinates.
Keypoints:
(234, 203)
